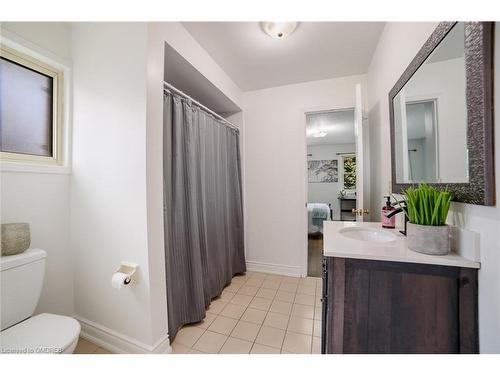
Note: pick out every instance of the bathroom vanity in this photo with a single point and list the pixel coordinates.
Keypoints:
(381, 297)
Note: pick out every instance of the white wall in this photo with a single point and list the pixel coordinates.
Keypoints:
(398, 45)
(42, 199)
(108, 192)
(327, 192)
(275, 168)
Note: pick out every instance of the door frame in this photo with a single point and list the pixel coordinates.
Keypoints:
(305, 112)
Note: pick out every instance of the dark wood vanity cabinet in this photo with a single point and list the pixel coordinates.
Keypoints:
(374, 306)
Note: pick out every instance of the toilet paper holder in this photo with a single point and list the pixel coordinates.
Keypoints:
(128, 269)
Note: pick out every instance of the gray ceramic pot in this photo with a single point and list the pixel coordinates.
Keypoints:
(15, 238)
(428, 239)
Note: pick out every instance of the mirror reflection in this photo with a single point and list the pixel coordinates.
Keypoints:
(430, 117)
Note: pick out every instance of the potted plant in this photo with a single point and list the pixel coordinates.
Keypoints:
(427, 209)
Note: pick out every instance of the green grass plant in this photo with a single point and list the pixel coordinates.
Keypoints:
(426, 205)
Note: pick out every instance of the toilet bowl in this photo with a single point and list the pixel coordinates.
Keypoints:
(22, 332)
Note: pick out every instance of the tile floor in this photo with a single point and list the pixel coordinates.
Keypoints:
(259, 314)
(87, 347)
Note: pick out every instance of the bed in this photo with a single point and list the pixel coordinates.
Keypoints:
(316, 214)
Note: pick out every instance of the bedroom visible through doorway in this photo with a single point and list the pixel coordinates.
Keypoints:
(331, 176)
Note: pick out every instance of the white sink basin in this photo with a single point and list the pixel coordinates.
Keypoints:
(368, 234)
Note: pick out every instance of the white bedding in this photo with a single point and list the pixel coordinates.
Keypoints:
(316, 214)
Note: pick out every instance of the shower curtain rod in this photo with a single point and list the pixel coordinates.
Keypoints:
(168, 86)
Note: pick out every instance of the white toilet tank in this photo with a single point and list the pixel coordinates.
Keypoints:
(21, 284)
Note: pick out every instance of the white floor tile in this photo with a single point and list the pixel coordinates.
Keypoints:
(248, 290)
(317, 328)
(205, 323)
(254, 282)
(290, 280)
(260, 303)
(236, 346)
(223, 325)
(238, 282)
(263, 349)
(276, 320)
(271, 337)
(303, 311)
(300, 325)
(246, 331)
(274, 278)
(281, 307)
(258, 275)
(306, 289)
(241, 299)
(318, 313)
(216, 306)
(266, 293)
(233, 288)
(292, 288)
(285, 296)
(187, 336)
(316, 345)
(253, 316)
(210, 342)
(271, 284)
(304, 299)
(233, 311)
(226, 295)
(180, 349)
(297, 343)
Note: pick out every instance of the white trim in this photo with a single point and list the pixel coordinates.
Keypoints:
(278, 269)
(13, 166)
(118, 343)
(21, 45)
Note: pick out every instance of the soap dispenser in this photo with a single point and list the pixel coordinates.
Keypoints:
(388, 222)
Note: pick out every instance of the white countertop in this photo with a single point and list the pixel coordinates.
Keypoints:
(338, 245)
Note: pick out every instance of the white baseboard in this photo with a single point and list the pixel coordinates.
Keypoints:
(278, 269)
(116, 342)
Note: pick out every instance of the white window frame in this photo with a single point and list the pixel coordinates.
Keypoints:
(31, 56)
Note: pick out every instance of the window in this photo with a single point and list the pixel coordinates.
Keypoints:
(349, 174)
(30, 109)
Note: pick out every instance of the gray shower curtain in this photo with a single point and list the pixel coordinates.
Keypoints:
(203, 209)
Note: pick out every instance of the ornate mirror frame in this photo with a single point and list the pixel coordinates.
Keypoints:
(480, 189)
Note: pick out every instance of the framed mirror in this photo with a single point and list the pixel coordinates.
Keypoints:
(441, 114)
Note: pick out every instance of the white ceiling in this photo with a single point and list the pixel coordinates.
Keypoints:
(339, 126)
(316, 50)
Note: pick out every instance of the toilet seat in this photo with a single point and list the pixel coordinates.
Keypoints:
(41, 334)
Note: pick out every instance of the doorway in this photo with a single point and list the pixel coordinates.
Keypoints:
(331, 176)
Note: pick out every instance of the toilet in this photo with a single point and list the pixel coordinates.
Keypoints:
(21, 332)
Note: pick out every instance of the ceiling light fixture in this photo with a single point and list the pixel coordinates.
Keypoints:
(279, 30)
(320, 134)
